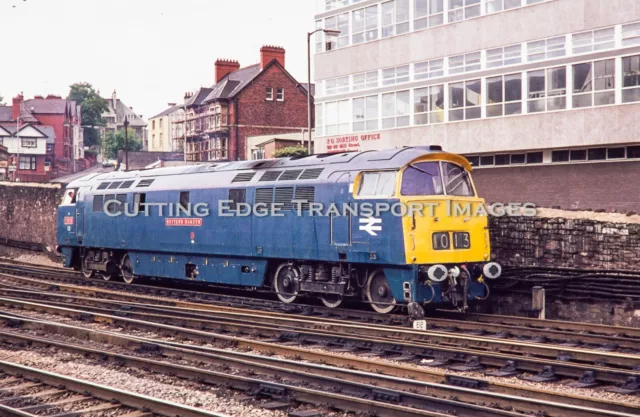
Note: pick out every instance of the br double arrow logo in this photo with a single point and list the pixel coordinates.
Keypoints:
(371, 225)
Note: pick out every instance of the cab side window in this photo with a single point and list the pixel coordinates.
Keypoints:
(377, 184)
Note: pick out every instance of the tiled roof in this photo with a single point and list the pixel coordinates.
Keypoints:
(198, 98)
(50, 106)
(5, 113)
(49, 132)
(233, 82)
(166, 112)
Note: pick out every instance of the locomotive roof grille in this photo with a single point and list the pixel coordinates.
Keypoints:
(243, 177)
(114, 185)
(145, 183)
(290, 175)
(103, 186)
(311, 174)
(126, 184)
(270, 176)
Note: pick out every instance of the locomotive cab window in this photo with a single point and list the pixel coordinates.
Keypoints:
(456, 180)
(69, 197)
(422, 178)
(377, 184)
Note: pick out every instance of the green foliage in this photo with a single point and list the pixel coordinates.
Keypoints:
(2, 103)
(292, 151)
(92, 108)
(114, 142)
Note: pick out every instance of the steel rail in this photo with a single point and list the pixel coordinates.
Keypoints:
(530, 400)
(87, 388)
(484, 358)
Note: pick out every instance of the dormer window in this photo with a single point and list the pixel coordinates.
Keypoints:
(269, 94)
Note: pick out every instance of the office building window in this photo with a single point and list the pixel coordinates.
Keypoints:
(319, 37)
(319, 120)
(365, 25)
(395, 18)
(463, 9)
(494, 6)
(504, 95)
(365, 81)
(546, 49)
(27, 163)
(594, 40)
(336, 86)
(631, 34)
(365, 113)
(464, 100)
(464, 63)
(594, 83)
(547, 90)
(500, 57)
(428, 105)
(428, 13)
(397, 75)
(337, 117)
(428, 69)
(486, 160)
(631, 79)
(341, 23)
(395, 110)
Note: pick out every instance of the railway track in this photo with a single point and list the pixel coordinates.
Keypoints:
(27, 392)
(351, 389)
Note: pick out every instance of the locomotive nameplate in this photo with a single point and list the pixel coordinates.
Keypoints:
(183, 222)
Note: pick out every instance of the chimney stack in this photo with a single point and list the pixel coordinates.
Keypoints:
(224, 67)
(53, 97)
(268, 53)
(15, 108)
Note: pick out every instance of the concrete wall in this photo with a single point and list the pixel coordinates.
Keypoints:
(28, 212)
(539, 21)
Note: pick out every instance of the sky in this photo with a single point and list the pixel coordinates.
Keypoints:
(150, 51)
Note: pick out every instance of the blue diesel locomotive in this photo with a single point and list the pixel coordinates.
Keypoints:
(330, 226)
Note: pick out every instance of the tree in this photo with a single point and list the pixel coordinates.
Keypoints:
(93, 106)
(292, 151)
(2, 103)
(114, 142)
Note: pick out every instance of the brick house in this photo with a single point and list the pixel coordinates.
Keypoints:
(44, 137)
(256, 100)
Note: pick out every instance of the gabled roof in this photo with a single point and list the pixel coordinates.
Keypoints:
(12, 128)
(233, 82)
(198, 98)
(47, 106)
(166, 112)
(4, 131)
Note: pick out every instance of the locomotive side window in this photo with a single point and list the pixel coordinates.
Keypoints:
(456, 180)
(139, 201)
(237, 196)
(378, 184)
(69, 197)
(98, 203)
(422, 178)
(184, 199)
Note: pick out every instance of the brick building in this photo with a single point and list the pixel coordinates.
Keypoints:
(260, 99)
(44, 138)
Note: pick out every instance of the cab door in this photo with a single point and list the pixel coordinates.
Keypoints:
(80, 214)
(341, 224)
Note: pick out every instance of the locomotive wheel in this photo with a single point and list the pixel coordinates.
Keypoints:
(331, 300)
(105, 276)
(87, 273)
(126, 269)
(379, 294)
(284, 283)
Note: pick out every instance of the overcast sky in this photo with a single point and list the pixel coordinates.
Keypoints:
(150, 51)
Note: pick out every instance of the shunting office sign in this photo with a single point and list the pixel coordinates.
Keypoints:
(349, 142)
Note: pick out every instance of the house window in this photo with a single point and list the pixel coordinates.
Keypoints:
(153, 124)
(27, 163)
(29, 142)
(464, 100)
(594, 83)
(395, 18)
(365, 113)
(501, 57)
(395, 75)
(395, 110)
(463, 9)
(547, 90)
(337, 117)
(428, 105)
(631, 79)
(631, 34)
(365, 25)
(341, 23)
(464, 63)
(593, 40)
(337, 85)
(428, 13)
(280, 96)
(269, 94)
(546, 49)
(504, 95)
(365, 80)
(494, 6)
(428, 69)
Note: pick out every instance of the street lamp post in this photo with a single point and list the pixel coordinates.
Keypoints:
(126, 142)
(328, 32)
